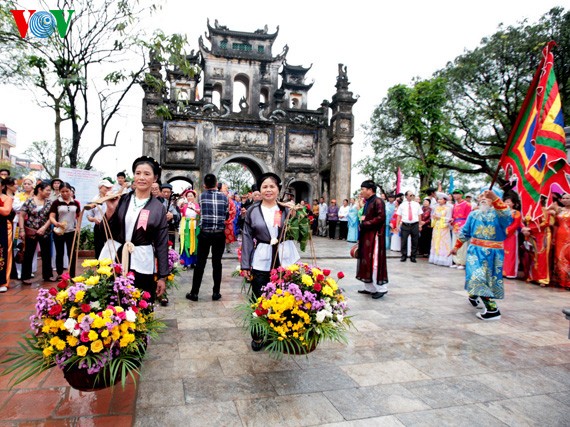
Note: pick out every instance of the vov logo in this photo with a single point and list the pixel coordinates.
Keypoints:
(42, 24)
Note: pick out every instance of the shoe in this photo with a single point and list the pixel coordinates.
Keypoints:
(513, 277)
(461, 267)
(191, 296)
(413, 259)
(453, 266)
(256, 345)
(475, 302)
(51, 279)
(216, 297)
(3, 289)
(403, 259)
(26, 282)
(364, 291)
(164, 302)
(378, 295)
(489, 315)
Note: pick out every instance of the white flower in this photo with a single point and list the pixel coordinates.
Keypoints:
(96, 305)
(273, 241)
(321, 316)
(238, 268)
(131, 316)
(339, 318)
(70, 325)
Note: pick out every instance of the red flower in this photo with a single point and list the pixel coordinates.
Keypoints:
(340, 275)
(146, 295)
(326, 272)
(85, 308)
(143, 304)
(55, 310)
(135, 309)
(181, 261)
(84, 337)
(118, 269)
(170, 243)
(317, 287)
(65, 276)
(62, 284)
(320, 278)
(122, 315)
(53, 291)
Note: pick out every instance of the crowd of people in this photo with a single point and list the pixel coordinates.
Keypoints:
(146, 217)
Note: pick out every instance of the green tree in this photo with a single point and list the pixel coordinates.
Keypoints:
(237, 177)
(105, 38)
(50, 161)
(487, 87)
(407, 130)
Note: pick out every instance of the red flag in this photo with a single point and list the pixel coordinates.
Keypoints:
(535, 153)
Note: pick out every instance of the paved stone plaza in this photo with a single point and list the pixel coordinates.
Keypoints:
(419, 356)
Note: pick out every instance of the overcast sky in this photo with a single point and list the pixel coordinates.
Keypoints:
(382, 44)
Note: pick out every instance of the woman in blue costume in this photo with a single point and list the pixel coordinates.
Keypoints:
(353, 222)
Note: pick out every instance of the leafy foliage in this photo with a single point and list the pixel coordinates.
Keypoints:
(461, 118)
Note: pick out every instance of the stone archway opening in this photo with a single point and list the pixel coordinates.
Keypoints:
(239, 175)
(301, 190)
(180, 183)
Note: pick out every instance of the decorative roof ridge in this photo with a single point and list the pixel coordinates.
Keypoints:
(261, 34)
(296, 67)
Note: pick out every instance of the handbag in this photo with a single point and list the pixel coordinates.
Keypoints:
(354, 251)
(30, 232)
(19, 257)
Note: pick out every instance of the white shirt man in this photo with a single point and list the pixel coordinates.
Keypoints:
(323, 210)
(408, 224)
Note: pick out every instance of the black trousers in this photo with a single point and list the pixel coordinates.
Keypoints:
(45, 247)
(342, 230)
(98, 238)
(259, 280)
(146, 282)
(66, 240)
(217, 242)
(410, 230)
(332, 229)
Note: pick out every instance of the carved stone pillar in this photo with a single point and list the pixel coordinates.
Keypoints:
(342, 132)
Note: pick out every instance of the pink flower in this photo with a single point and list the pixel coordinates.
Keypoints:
(65, 276)
(146, 295)
(122, 315)
(84, 337)
(143, 304)
(326, 272)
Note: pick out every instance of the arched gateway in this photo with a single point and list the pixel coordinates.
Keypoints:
(269, 129)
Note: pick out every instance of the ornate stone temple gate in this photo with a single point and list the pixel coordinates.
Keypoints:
(269, 129)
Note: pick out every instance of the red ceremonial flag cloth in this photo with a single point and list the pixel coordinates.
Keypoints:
(536, 153)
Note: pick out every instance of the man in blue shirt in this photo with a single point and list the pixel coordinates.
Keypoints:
(214, 210)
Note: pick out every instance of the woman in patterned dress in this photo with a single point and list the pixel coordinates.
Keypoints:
(562, 244)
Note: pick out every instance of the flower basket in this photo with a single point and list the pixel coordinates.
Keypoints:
(300, 307)
(95, 327)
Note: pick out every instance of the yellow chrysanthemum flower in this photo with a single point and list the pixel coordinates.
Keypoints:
(293, 267)
(93, 335)
(72, 341)
(93, 280)
(98, 323)
(327, 290)
(62, 296)
(105, 333)
(78, 279)
(97, 346)
(48, 351)
(170, 277)
(90, 263)
(307, 280)
(79, 296)
(81, 350)
(127, 339)
(105, 271)
(105, 262)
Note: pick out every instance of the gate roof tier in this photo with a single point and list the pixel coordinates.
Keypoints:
(294, 77)
(230, 44)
